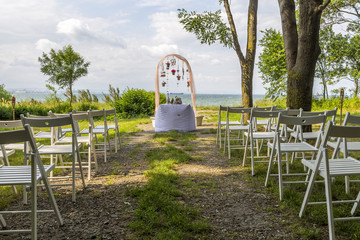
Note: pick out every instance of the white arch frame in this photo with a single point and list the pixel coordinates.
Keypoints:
(191, 82)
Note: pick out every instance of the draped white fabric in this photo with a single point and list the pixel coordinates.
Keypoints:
(179, 117)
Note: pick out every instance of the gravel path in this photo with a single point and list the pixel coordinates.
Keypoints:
(218, 189)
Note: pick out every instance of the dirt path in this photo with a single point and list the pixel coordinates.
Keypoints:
(211, 182)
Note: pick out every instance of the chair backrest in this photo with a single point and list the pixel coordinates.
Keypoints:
(271, 108)
(47, 121)
(18, 136)
(237, 110)
(301, 120)
(340, 132)
(11, 124)
(255, 113)
(35, 116)
(97, 113)
(15, 136)
(351, 119)
(294, 112)
(112, 112)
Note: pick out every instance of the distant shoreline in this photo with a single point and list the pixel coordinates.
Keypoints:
(201, 99)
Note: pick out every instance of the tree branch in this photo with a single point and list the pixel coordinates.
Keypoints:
(322, 6)
(233, 32)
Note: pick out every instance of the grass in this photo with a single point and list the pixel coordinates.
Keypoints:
(161, 213)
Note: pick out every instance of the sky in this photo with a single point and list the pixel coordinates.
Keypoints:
(124, 41)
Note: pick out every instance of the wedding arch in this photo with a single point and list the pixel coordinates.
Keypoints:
(163, 70)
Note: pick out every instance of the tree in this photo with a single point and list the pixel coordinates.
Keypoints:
(209, 28)
(302, 48)
(344, 11)
(5, 96)
(272, 63)
(348, 53)
(328, 66)
(64, 68)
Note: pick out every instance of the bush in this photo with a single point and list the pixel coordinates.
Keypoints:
(137, 103)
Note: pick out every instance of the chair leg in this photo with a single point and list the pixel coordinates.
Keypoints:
(270, 164)
(356, 204)
(51, 196)
(89, 163)
(245, 149)
(347, 184)
(280, 175)
(229, 148)
(2, 221)
(307, 193)
(329, 206)
(80, 167)
(34, 198)
(252, 156)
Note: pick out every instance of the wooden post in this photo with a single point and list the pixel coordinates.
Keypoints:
(13, 102)
(341, 103)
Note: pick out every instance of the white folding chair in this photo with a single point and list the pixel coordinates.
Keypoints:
(278, 148)
(87, 140)
(115, 127)
(254, 135)
(330, 168)
(221, 123)
(351, 146)
(71, 149)
(239, 130)
(98, 131)
(27, 176)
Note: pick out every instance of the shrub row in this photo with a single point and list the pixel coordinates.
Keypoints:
(41, 109)
(137, 103)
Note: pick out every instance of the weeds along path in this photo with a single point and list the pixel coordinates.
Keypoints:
(162, 186)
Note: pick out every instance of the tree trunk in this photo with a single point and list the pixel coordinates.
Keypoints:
(71, 95)
(246, 63)
(301, 50)
(356, 91)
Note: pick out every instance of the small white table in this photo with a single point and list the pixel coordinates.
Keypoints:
(178, 117)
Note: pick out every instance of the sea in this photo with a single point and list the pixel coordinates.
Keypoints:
(204, 100)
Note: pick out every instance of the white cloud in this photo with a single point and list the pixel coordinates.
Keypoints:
(160, 50)
(72, 27)
(78, 30)
(46, 45)
(167, 27)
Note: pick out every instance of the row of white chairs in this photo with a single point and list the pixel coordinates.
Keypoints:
(61, 143)
(284, 141)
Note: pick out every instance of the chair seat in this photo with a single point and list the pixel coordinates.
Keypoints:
(351, 146)
(8, 153)
(239, 128)
(338, 167)
(261, 121)
(82, 139)
(109, 126)
(307, 135)
(231, 123)
(20, 175)
(41, 134)
(95, 131)
(15, 146)
(262, 135)
(55, 149)
(295, 147)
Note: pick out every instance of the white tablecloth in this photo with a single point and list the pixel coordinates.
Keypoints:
(179, 117)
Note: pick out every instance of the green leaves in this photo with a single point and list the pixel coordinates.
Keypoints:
(208, 27)
(63, 67)
(272, 64)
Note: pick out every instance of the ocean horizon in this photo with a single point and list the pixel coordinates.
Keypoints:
(204, 100)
